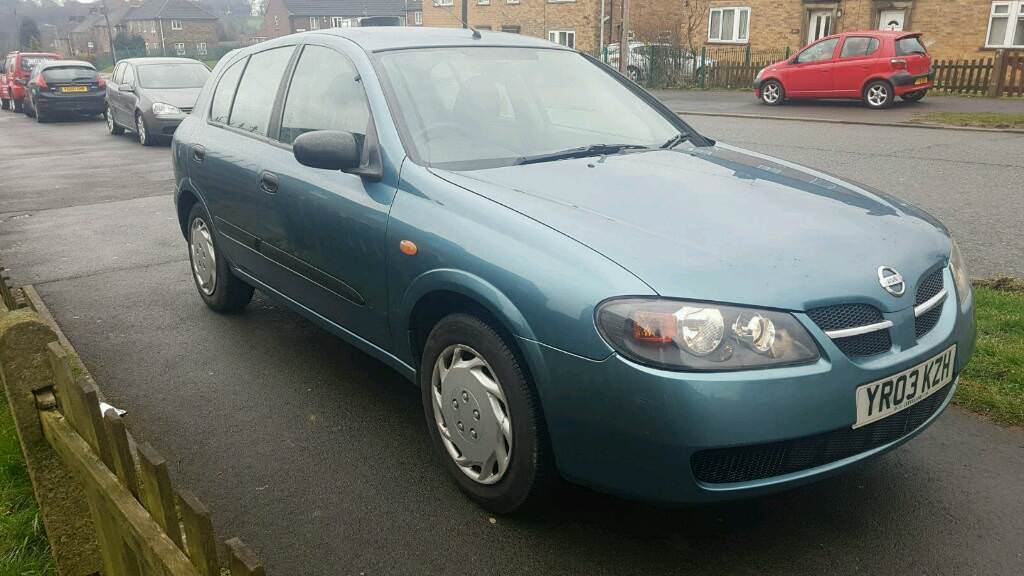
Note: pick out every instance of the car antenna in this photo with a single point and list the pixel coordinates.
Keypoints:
(476, 33)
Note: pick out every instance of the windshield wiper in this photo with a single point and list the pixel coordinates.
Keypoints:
(677, 140)
(580, 152)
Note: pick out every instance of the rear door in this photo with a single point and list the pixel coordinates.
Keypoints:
(228, 161)
(850, 71)
(811, 73)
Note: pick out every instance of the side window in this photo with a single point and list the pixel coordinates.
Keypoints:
(129, 75)
(820, 52)
(220, 108)
(325, 94)
(257, 90)
(118, 73)
(858, 46)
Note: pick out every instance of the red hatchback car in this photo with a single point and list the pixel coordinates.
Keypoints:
(14, 76)
(873, 66)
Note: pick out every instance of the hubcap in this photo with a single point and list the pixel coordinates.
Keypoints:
(141, 128)
(771, 93)
(204, 259)
(110, 121)
(471, 414)
(877, 95)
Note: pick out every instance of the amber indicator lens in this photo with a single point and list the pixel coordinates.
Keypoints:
(653, 327)
(408, 247)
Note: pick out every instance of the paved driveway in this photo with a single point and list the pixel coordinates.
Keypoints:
(317, 455)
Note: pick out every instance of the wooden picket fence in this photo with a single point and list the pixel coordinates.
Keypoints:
(963, 76)
(107, 502)
(1011, 81)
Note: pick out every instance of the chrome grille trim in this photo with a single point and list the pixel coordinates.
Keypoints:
(930, 303)
(858, 330)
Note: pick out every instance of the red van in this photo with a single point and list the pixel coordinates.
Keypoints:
(873, 66)
(15, 75)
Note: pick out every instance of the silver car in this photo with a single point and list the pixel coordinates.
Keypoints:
(151, 96)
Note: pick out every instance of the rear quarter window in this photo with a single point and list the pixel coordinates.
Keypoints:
(909, 46)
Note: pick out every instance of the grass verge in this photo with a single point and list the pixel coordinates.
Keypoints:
(971, 119)
(24, 550)
(993, 383)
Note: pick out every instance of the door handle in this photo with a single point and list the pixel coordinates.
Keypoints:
(198, 154)
(268, 182)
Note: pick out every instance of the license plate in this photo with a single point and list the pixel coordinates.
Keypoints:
(888, 396)
(75, 89)
(920, 81)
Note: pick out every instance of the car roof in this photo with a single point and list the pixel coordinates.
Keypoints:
(160, 60)
(379, 38)
(64, 63)
(879, 33)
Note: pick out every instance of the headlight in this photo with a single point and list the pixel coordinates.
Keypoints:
(161, 109)
(960, 276)
(698, 336)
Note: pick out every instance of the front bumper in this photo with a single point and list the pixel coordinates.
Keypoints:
(164, 125)
(632, 430)
(80, 104)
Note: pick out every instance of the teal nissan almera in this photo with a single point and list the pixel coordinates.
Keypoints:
(582, 285)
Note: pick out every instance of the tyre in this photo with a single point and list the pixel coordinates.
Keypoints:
(878, 94)
(634, 74)
(4, 103)
(914, 96)
(112, 126)
(18, 105)
(145, 138)
(27, 109)
(40, 118)
(219, 288)
(772, 93)
(483, 415)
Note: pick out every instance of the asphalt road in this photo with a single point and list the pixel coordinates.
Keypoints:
(317, 455)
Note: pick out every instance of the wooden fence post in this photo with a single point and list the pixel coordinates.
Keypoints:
(25, 369)
(995, 85)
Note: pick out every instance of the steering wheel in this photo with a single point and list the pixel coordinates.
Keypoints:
(425, 133)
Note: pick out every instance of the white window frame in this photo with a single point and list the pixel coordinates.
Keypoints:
(1014, 13)
(737, 10)
(418, 18)
(553, 36)
(201, 48)
(444, 2)
(175, 24)
(511, 1)
(314, 23)
(483, 2)
(341, 22)
(179, 48)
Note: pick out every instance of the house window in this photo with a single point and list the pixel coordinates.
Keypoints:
(340, 22)
(179, 48)
(418, 18)
(444, 2)
(201, 48)
(729, 25)
(510, 28)
(564, 37)
(1006, 25)
(175, 24)
(483, 2)
(511, 1)
(314, 23)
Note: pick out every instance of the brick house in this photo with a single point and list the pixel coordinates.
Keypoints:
(414, 12)
(951, 28)
(285, 17)
(173, 28)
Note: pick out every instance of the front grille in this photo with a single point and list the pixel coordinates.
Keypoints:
(929, 287)
(851, 316)
(746, 463)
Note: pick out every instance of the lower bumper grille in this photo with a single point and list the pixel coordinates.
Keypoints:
(746, 463)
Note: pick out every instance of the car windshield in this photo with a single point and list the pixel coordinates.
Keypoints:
(29, 62)
(468, 108)
(69, 74)
(185, 75)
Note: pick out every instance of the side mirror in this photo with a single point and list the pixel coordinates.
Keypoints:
(126, 88)
(327, 149)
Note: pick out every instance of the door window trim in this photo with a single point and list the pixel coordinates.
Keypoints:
(277, 97)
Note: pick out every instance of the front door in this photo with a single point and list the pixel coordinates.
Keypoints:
(334, 223)
(811, 73)
(891, 19)
(820, 25)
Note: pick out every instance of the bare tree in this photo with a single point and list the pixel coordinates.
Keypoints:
(695, 13)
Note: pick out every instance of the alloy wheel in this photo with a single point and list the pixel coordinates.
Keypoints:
(110, 121)
(140, 129)
(471, 414)
(878, 95)
(204, 258)
(770, 93)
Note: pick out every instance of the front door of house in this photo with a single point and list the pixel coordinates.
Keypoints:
(891, 20)
(820, 25)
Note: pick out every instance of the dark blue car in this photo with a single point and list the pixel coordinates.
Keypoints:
(581, 284)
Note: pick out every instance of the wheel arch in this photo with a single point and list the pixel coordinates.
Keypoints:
(186, 198)
(870, 80)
